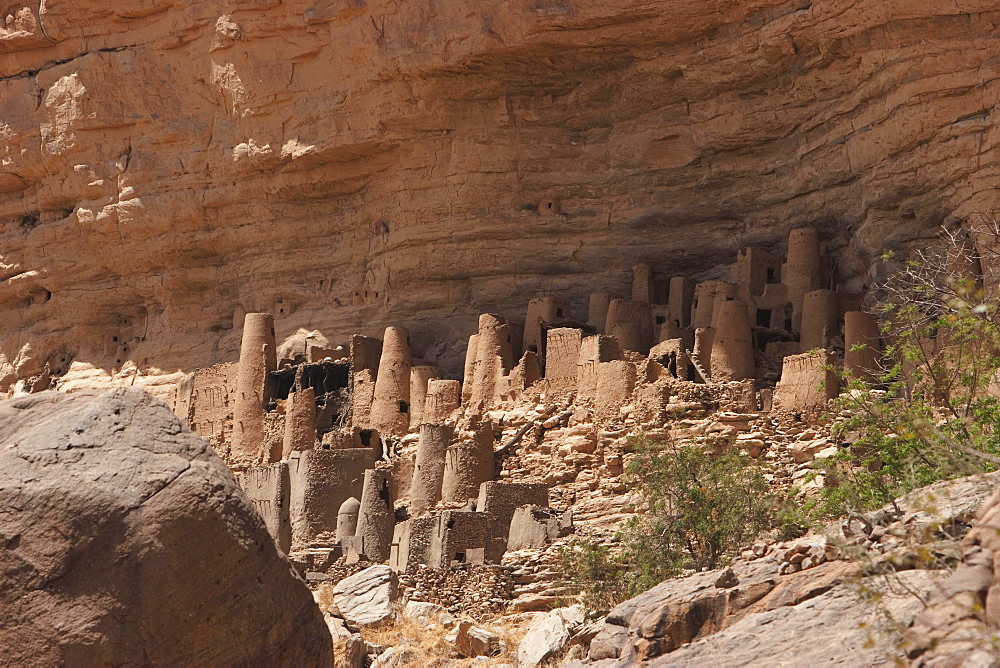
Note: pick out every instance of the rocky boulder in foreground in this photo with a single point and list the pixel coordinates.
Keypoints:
(126, 540)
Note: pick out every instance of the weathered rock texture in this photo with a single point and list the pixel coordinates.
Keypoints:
(128, 542)
(168, 165)
(959, 625)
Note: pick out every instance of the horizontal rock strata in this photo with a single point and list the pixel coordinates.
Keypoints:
(169, 165)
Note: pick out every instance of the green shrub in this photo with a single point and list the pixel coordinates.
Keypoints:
(939, 415)
(599, 575)
(699, 504)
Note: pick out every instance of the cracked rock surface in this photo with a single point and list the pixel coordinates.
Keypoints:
(126, 540)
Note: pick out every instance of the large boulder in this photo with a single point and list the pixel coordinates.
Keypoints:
(546, 638)
(126, 540)
(367, 598)
(473, 641)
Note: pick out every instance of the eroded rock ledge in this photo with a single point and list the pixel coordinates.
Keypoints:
(170, 165)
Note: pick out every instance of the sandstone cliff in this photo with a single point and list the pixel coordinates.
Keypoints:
(167, 165)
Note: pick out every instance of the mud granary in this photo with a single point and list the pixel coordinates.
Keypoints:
(364, 452)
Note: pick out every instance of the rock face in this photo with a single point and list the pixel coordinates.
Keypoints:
(836, 628)
(127, 541)
(960, 623)
(179, 163)
(753, 614)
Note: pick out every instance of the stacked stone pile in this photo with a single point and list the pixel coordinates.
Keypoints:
(477, 591)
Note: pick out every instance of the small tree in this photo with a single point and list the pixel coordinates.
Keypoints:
(939, 414)
(699, 503)
(699, 507)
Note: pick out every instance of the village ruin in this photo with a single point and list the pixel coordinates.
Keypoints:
(363, 453)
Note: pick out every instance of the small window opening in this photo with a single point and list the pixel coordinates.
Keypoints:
(460, 557)
(660, 320)
(559, 313)
(763, 317)
(404, 407)
(772, 275)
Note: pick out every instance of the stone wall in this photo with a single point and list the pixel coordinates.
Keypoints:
(269, 490)
(321, 480)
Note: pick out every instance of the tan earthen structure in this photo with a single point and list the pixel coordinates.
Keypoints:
(642, 283)
(631, 323)
(390, 413)
(756, 268)
(562, 358)
(210, 403)
(541, 312)
(428, 470)
(420, 375)
(597, 311)
(862, 346)
(257, 361)
(706, 296)
(808, 381)
(468, 464)
(527, 372)
(679, 301)
(300, 422)
(802, 271)
(593, 351)
(471, 353)
(820, 319)
(704, 342)
(615, 381)
(268, 488)
(375, 516)
(347, 519)
(320, 482)
(365, 353)
(732, 346)
(443, 398)
(493, 358)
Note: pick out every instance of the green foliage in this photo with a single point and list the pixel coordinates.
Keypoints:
(939, 413)
(700, 504)
(598, 574)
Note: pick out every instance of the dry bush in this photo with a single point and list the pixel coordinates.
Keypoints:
(428, 644)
